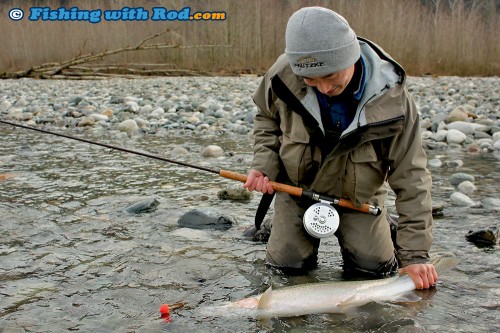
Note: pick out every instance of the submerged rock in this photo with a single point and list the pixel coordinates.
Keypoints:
(437, 208)
(128, 126)
(145, 206)
(235, 194)
(212, 151)
(261, 235)
(460, 177)
(462, 200)
(119, 232)
(197, 219)
(486, 236)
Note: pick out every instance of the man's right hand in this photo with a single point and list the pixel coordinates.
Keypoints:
(256, 180)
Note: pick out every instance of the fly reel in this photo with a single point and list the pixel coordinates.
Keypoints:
(321, 220)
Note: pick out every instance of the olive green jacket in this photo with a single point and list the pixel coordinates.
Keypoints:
(382, 145)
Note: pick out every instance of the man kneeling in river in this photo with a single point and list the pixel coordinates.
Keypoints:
(335, 118)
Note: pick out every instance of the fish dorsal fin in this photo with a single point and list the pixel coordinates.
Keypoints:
(265, 299)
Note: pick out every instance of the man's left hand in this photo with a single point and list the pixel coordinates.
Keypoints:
(423, 275)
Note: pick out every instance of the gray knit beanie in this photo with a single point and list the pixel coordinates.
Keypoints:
(320, 42)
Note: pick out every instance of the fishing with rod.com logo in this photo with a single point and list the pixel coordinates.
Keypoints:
(123, 14)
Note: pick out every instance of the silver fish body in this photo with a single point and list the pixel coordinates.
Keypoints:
(331, 297)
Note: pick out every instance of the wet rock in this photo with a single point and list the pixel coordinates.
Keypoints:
(457, 178)
(128, 126)
(458, 114)
(5, 106)
(157, 113)
(440, 135)
(145, 206)
(467, 128)
(196, 219)
(108, 113)
(235, 194)
(496, 146)
(473, 148)
(86, 121)
(486, 236)
(437, 208)
(462, 200)
(179, 151)
(141, 122)
(454, 164)
(435, 162)
(467, 187)
(436, 145)
(212, 151)
(131, 106)
(118, 232)
(261, 235)
(455, 136)
(146, 109)
(100, 117)
(491, 203)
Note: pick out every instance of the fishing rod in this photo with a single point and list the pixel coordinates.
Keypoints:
(280, 187)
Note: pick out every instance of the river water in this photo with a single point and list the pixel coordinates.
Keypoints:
(73, 260)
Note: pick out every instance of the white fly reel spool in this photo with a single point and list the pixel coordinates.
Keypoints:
(321, 220)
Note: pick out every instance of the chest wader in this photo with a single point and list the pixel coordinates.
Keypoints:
(320, 220)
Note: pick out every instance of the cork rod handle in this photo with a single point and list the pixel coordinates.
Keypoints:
(292, 190)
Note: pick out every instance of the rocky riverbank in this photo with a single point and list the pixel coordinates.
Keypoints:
(456, 113)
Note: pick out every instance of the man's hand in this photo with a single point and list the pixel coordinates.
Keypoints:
(423, 275)
(256, 180)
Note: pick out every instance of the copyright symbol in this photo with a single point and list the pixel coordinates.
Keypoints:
(16, 14)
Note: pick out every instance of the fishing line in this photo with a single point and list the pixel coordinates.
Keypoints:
(292, 190)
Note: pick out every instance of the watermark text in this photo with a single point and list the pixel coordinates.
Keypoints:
(123, 14)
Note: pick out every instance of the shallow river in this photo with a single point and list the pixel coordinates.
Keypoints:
(73, 260)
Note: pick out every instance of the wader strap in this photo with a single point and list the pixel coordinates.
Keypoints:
(310, 123)
(264, 204)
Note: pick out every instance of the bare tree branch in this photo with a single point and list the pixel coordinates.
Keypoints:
(51, 70)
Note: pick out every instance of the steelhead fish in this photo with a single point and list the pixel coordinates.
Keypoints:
(330, 297)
